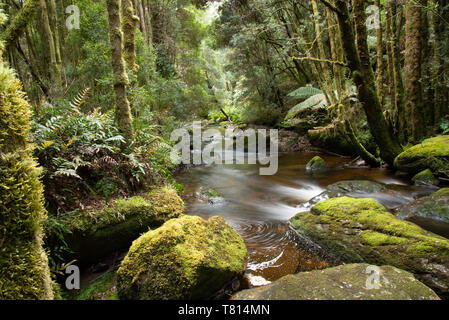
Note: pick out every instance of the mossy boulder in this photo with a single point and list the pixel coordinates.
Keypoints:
(24, 272)
(431, 154)
(317, 163)
(425, 178)
(361, 230)
(186, 258)
(345, 282)
(347, 187)
(93, 235)
(434, 207)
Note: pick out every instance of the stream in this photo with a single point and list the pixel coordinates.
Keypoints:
(259, 207)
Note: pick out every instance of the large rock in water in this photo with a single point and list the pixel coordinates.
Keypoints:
(186, 258)
(361, 230)
(92, 235)
(317, 163)
(425, 178)
(428, 210)
(361, 188)
(345, 282)
(431, 154)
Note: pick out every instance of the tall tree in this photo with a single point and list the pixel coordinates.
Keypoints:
(123, 110)
(130, 23)
(412, 74)
(55, 68)
(358, 58)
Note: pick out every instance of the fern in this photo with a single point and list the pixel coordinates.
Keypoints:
(78, 101)
(304, 93)
(315, 102)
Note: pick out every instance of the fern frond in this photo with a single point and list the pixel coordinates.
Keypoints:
(78, 101)
(304, 93)
(315, 102)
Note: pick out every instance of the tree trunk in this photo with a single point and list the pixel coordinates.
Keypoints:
(55, 26)
(130, 23)
(322, 54)
(123, 110)
(380, 57)
(398, 84)
(441, 47)
(363, 76)
(55, 68)
(413, 91)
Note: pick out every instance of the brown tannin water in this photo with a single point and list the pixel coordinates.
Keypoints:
(259, 207)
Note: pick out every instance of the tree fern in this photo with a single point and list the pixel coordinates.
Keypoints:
(304, 93)
(315, 102)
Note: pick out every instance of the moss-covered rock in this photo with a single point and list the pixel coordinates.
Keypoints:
(93, 235)
(348, 187)
(425, 178)
(431, 154)
(23, 263)
(361, 230)
(346, 282)
(435, 207)
(186, 258)
(317, 163)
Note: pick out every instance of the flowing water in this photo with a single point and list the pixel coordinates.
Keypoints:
(259, 207)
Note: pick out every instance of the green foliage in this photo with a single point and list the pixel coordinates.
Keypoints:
(86, 150)
(304, 93)
(444, 125)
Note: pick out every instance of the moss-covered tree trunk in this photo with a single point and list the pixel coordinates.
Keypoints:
(322, 53)
(147, 13)
(394, 9)
(380, 57)
(53, 15)
(123, 110)
(441, 69)
(55, 68)
(23, 262)
(18, 25)
(130, 23)
(414, 106)
(359, 63)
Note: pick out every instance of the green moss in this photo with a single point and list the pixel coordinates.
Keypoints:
(431, 154)
(361, 230)
(345, 282)
(444, 192)
(317, 163)
(380, 239)
(211, 193)
(425, 177)
(93, 234)
(102, 289)
(23, 263)
(186, 258)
